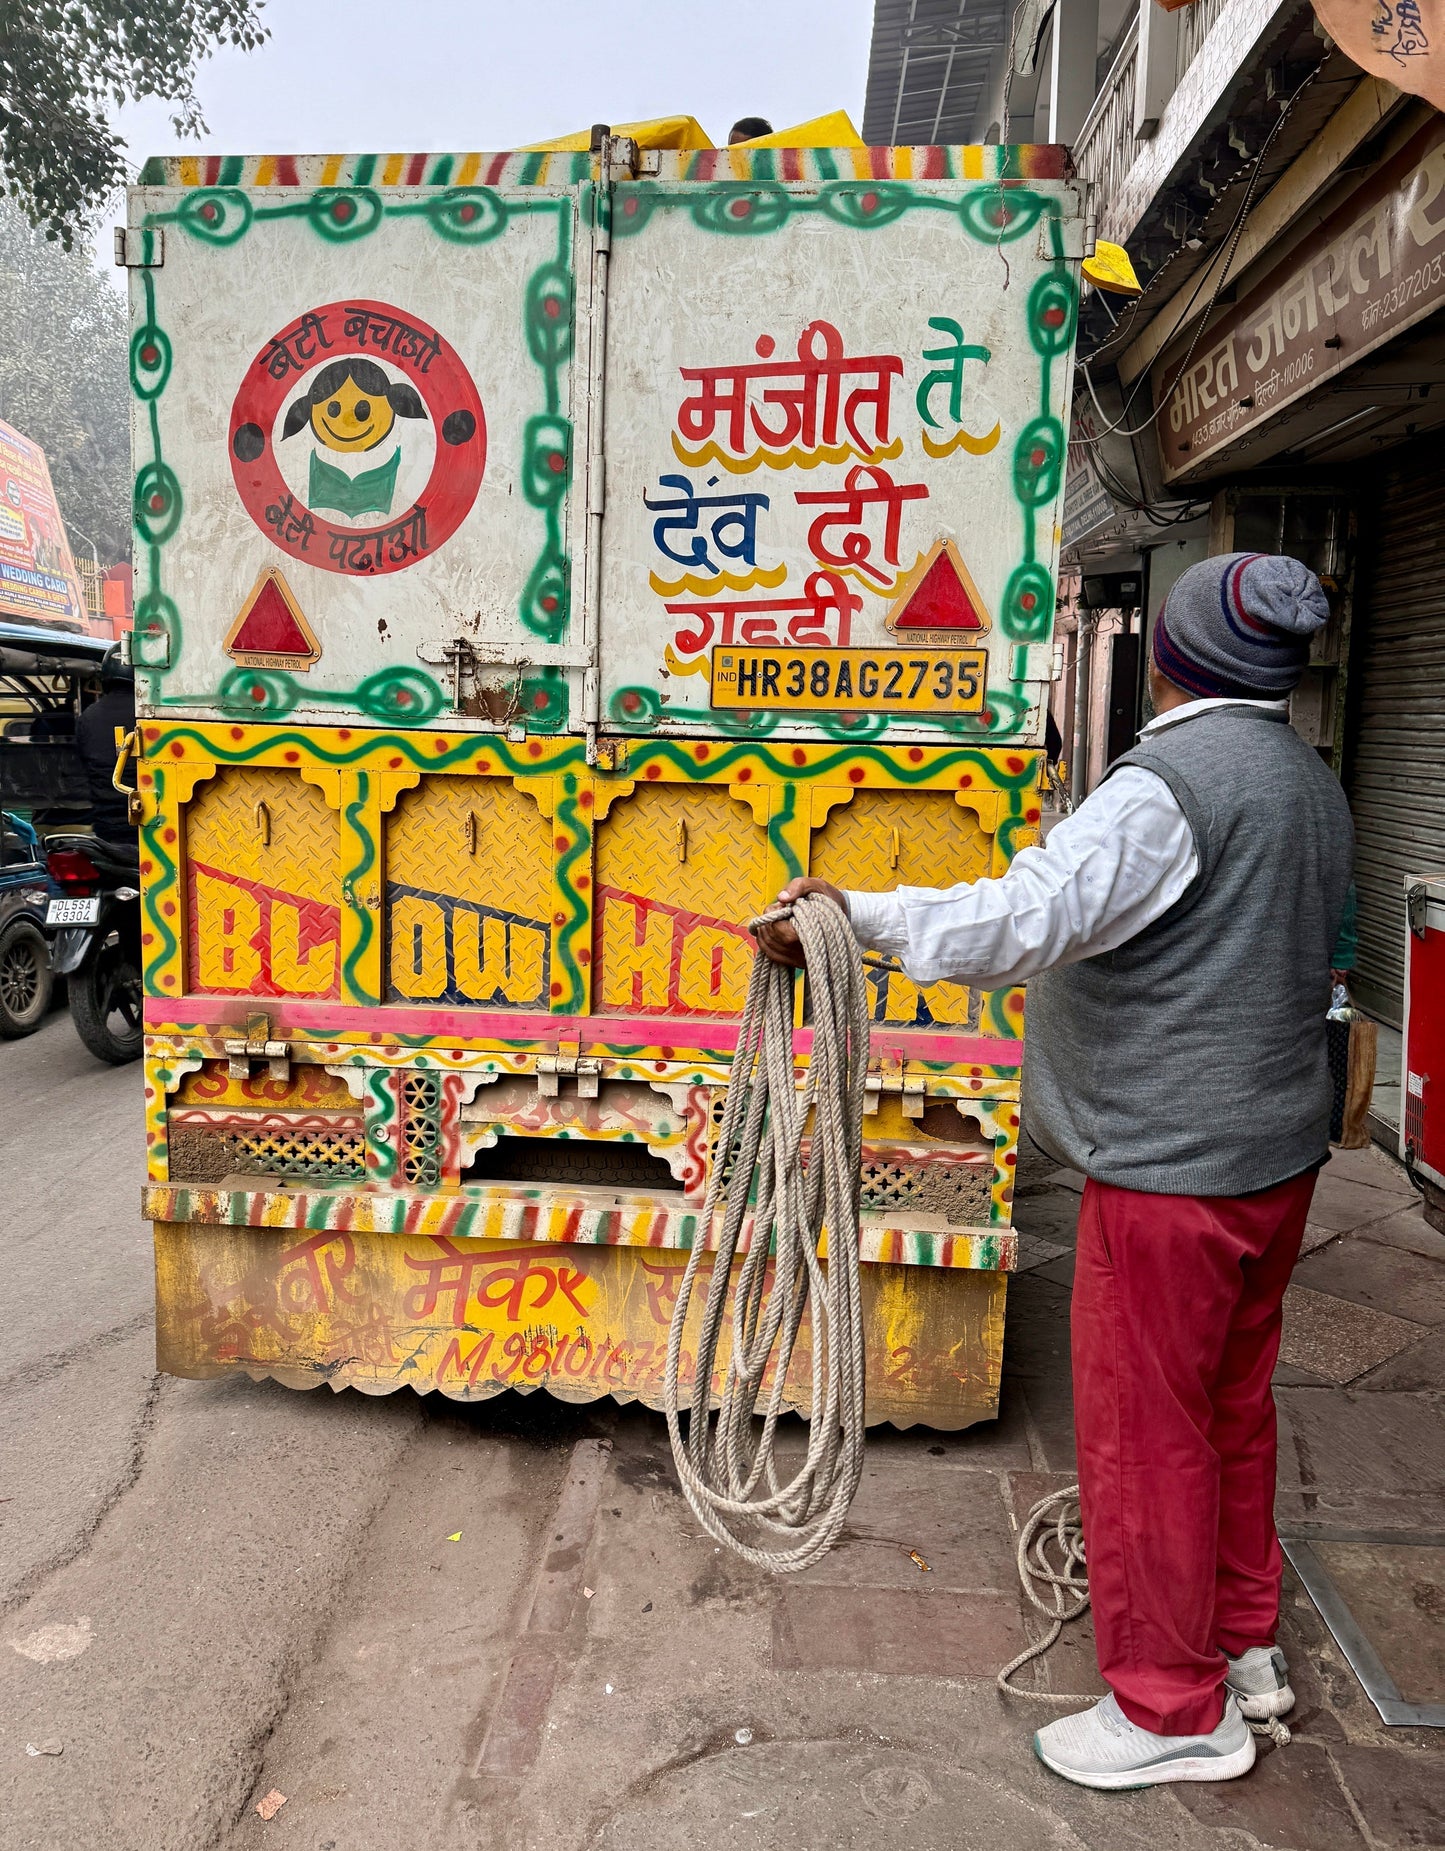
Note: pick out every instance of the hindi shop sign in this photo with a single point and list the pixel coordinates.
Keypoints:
(1373, 269)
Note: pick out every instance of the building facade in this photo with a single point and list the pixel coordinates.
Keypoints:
(1277, 385)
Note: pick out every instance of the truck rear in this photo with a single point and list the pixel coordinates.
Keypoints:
(541, 558)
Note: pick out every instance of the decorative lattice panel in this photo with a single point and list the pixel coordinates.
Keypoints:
(421, 1132)
(469, 872)
(264, 886)
(886, 839)
(206, 1154)
(680, 868)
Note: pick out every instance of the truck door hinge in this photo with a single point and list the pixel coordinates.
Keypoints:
(570, 1061)
(258, 1044)
(140, 247)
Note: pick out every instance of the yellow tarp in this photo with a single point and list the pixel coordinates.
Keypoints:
(835, 130)
(661, 132)
(830, 131)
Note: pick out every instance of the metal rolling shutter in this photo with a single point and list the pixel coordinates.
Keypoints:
(1396, 767)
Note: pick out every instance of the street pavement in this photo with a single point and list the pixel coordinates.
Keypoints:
(214, 1592)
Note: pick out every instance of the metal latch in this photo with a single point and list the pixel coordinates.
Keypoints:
(896, 1075)
(140, 247)
(570, 1061)
(258, 1045)
(1417, 901)
(125, 744)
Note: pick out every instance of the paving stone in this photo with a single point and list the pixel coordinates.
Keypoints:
(1364, 1447)
(1397, 1595)
(893, 1633)
(1288, 1375)
(1336, 1338)
(1052, 1214)
(1290, 1801)
(1034, 1251)
(1408, 1229)
(1400, 1794)
(1339, 1203)
(1386, 1278)
(1317, 1235)
(1419, 1367)
(1369, 1166)
(1061, 1271)
(955, 1520)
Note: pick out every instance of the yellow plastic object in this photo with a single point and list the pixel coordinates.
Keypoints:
(1109, 268)
(834, 130)
(661, 132)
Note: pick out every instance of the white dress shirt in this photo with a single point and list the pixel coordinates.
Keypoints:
(1114, 866)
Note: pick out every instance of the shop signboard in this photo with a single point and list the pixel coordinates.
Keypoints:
(38, 579)
(1373, 269)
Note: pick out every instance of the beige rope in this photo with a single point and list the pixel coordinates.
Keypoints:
(774, 1200)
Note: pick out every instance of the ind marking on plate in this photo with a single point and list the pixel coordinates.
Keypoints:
(851, 680)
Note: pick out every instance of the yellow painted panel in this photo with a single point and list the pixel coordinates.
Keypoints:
(477, 839)
(887, 839)
(679, 870)
(475, 1317)
(267, 826)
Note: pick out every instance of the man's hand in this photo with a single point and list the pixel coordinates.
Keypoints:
(780, 941)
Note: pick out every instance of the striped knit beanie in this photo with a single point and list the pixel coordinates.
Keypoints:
(1240, 625)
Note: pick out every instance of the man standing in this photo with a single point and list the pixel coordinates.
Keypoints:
(1176, 932)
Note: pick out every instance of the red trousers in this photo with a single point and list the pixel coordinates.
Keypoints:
(1176, 1323)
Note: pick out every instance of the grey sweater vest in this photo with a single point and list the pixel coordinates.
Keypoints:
(1191, 1060)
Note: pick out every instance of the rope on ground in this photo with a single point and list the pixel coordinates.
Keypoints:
(774, 1198)
(1051, 1557)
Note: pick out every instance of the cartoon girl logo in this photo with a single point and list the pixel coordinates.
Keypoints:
(357, 461)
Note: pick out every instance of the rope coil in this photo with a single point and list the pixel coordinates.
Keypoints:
(781, 1204)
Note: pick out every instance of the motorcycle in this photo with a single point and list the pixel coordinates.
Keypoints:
(94, 927)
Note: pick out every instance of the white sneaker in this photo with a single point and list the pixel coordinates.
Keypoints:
(1102, 1748)
(1259, 1679)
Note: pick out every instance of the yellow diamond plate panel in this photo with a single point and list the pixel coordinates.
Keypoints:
(679, 871)
(267, 826)
(476, 839)
(887, 839)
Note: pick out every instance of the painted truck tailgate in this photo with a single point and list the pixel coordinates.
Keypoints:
(539, 562)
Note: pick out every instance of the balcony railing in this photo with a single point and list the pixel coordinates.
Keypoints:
(1192, 23)
(1105, 147)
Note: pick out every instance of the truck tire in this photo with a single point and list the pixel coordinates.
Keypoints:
(105, 1004)
(26, 980)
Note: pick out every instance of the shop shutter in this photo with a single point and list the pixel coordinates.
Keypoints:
(1395, 771)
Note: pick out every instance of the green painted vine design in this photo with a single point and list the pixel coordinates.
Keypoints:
(473, 215)
(996, 214)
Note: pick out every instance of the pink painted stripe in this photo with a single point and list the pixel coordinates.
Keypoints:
(675, 1037)
(286, 174)
(415, 170)
(496, 170)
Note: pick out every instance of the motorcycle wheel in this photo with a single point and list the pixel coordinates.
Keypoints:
(26, 980)
(105, 1004)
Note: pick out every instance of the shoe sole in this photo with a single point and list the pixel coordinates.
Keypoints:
(1260, 1707)
(1186, 1767)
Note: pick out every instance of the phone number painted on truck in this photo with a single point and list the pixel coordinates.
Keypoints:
(859, 680)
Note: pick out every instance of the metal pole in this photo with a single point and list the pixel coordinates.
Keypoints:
(596, 486)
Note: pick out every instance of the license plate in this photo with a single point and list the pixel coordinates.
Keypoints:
(72, 912)
(851, 680)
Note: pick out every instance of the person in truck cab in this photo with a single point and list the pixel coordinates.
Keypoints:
(1176, 932)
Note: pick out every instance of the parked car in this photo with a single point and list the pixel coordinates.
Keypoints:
(26, 980)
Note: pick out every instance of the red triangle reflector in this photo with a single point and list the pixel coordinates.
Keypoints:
(939, 594)
(270, 631)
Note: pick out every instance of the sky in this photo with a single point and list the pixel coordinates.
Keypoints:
(419, 75)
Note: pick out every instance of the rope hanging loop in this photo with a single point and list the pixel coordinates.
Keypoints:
(799, 1208)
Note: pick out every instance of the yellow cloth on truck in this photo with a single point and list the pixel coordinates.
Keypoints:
(834, 130)
(661, 132)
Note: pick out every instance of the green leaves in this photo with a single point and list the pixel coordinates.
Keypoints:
(63, 65)
(63, 377)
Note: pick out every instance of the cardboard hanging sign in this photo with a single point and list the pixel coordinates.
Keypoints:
(1399, 41)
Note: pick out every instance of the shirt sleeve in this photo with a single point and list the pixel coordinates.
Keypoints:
(1114, 866)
